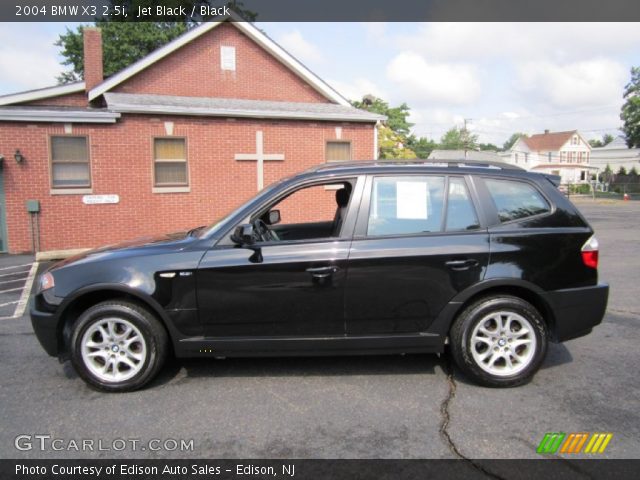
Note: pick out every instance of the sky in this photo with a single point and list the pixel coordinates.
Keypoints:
(501, 77)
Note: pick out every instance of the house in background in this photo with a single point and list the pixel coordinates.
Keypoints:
(616, 154)
(567, 154)
(174, 141)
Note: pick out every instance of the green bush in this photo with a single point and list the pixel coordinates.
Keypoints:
(582, 188)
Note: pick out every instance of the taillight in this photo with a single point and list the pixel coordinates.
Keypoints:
(590, 252)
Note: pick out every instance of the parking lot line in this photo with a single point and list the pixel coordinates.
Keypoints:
(10, 290)
(21, 279)
(16, 266)
(13, 273)
(24, 298)
(8, 303)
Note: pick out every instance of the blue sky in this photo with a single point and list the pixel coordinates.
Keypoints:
(504, 77)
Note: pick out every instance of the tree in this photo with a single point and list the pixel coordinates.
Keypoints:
(633, 172)
(512, 140)
(630, 113)
(459, 139)
(488, 147)
(391, 144)
(124, 43)
(396, 116)
(606, 174)
(622, 171)
(607, 138)
(421, 146)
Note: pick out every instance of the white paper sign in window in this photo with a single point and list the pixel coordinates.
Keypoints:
(411, 200)
(228, 58)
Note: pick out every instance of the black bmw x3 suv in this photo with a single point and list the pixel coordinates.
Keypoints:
(486, 260)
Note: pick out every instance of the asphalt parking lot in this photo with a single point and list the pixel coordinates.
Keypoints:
(349, 407)
(16, 275)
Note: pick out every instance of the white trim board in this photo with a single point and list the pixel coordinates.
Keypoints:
(39, 94)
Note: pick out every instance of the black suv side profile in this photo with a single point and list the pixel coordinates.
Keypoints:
(487, 260)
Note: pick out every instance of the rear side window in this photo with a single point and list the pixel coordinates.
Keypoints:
(460, 212)
(404, 205)
(516, 200)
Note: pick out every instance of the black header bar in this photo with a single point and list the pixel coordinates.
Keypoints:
(323, 10)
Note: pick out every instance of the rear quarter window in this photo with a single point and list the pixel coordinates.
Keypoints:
(515, 200)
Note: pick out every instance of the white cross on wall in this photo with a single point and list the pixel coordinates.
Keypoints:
(259, 157)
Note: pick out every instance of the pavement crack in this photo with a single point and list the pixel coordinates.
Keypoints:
(628, 312)
(446, 420)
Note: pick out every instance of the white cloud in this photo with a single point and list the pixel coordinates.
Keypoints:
(299, 47)
(532, 41)
(424, 82)
(577, 84)
(358, 88)
(28, 58)
(375, 32)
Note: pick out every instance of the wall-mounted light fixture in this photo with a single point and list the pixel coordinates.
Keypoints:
(18, 156)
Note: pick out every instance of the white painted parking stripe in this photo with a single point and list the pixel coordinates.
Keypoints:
(24, 299)
(14, 273)
(8, 303)
(22, 279)
(16, 266)
(10, 290)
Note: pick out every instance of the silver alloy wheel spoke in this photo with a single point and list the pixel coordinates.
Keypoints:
(113, 349)
(503, 343)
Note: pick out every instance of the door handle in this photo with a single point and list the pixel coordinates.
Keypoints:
(322, 272)
(462, 264)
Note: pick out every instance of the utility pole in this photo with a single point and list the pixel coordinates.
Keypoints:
(466, 137)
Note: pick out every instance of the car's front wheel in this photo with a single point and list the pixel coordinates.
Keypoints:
(499, 341)
(118, 346)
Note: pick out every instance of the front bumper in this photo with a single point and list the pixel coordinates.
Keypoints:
(577, 310)
(45, 325)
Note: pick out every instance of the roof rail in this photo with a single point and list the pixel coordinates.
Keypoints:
(462, 163)
(474, 163)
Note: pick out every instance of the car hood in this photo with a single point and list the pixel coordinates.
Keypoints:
(139, 246)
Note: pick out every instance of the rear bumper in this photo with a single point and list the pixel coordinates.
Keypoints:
(45, 325)
(577, 310)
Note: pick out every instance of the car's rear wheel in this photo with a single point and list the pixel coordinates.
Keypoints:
(118, 346)
(499, 341)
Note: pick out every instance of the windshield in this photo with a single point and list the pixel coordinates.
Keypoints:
(256, 198)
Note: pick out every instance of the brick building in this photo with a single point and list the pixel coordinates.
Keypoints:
(169, 143)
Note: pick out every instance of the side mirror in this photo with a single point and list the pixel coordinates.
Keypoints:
(243, 235)
(274, 217)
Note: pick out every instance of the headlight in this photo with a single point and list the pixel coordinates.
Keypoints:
(46, 281)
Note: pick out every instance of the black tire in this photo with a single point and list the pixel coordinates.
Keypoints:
(152, 349)
(487, 310)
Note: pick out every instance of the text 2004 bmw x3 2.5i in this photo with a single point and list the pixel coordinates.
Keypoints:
(358, 258)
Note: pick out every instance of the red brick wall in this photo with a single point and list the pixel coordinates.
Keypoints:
(121, 163)
(194, 71)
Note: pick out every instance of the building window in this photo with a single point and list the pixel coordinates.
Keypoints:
(526, 158)
(549, 157)
(516, 158)
(228, 58)
(70, 162)
(170, 162)
(574, 140)
(338, 151)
